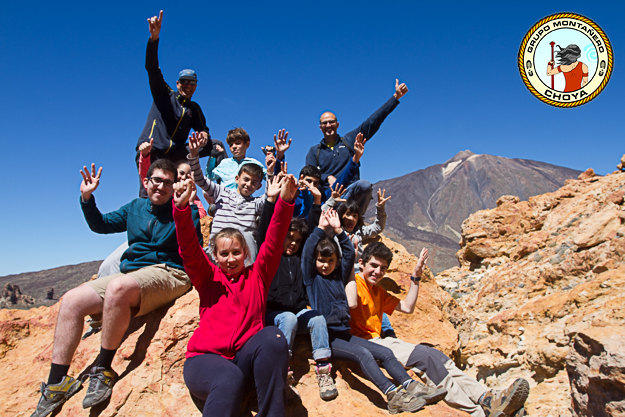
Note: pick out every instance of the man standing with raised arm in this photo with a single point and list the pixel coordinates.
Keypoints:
(152, 275)
(333, 153)
(173, 114)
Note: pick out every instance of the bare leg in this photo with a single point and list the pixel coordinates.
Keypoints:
(122, 295)
(76, 304)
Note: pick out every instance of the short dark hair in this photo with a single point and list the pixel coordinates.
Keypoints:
(237, 133)
(164, 165)
(310, 171)
(253, 170)
(327, 247)
(300, 226)
(350, 205)
(379, 250)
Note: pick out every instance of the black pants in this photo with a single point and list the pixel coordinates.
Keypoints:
(220, 382)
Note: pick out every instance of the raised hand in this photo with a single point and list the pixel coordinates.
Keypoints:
(155, 25)
(90, 181)
(337, 192)
(146, 147)
(334, 221)
(423, 258)
(289, 188)
(382, 199)
(282, 145)
(274, 185)
(316, 193)
(355, 240)
(323, 220)
(359, 147)
(195, 143)
(400, 89)
(183, 190)
(270, 163)
(283, 167)
(203, 138)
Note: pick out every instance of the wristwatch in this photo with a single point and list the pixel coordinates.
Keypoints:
(415, 279)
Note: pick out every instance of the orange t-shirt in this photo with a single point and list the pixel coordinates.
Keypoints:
(373, 300)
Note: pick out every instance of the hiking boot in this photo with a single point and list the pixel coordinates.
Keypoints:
(505, 403)
(400, 400)
(101, 381)
(53, 395)
(431, 395)
(327, 389)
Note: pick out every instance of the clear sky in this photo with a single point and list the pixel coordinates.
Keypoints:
(76, 91)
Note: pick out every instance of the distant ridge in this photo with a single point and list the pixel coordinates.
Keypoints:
(62, 279)
(429, 205)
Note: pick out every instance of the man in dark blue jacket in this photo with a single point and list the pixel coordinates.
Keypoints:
(173, 114)
(333, 153)
(152, 275)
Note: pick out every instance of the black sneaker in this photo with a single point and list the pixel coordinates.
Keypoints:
(400, 400)
(431, 395)
(505, 403)
(101, 381)
(53, 395)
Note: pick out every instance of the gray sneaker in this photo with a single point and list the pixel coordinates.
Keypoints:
(101, 381)
(327, 389)
(54, 395)
(505, 403)
(431, 395)
(400, 400)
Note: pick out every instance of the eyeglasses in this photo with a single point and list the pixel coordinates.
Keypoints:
(327, 122)
(185, 82)
(158, 181)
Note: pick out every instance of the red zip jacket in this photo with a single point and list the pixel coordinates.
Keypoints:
(230, 312)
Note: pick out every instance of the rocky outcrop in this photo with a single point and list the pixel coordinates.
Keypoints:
(541, 283)
(151, 357)
(12, 297)
(596, 368)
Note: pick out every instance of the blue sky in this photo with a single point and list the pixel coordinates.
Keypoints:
(76, 91)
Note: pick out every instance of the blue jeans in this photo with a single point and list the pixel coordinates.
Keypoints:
(290, 323)
(360, 192)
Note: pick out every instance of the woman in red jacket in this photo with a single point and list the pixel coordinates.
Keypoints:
(231, 345)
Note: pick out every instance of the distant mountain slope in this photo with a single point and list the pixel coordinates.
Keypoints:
(429, 205)
(62, 279)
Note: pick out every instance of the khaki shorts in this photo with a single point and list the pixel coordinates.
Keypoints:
(160, 284)
(401, 349)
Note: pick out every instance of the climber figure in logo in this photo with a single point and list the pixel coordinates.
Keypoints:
(575, 72)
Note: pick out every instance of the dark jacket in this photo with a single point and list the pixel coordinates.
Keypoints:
(333, 161)
(327, 294)
(151, 231)
(287, 291)
(171, 116)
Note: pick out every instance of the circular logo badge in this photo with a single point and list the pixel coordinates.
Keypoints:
(565, 60)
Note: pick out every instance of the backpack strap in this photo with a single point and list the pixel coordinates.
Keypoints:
(349, 148)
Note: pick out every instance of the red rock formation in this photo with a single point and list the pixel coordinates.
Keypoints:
(151, 358)
(534, 277)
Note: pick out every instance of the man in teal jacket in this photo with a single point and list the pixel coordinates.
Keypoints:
(152, 275)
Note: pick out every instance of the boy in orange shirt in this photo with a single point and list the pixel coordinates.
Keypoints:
(368, 301)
